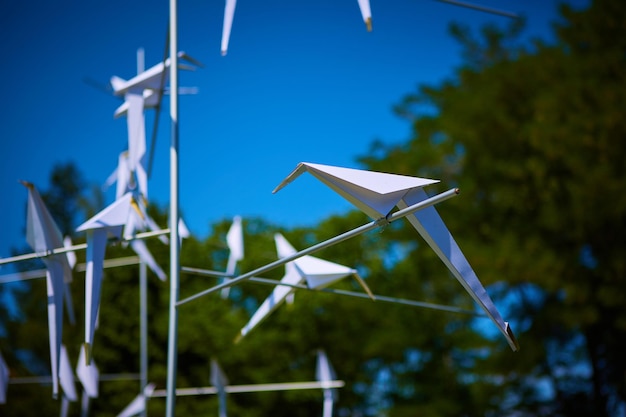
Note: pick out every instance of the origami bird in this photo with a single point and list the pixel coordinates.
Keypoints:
(377, 193)
(120, 218)
(317, 273)
(43, 236)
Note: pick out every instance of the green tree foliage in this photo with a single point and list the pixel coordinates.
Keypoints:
(534, 138)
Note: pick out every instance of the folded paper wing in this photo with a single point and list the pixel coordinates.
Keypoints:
(275, 299)
(317, 273)
(219, 381)
(88, 375)
(234, 240)
(374, 193)
(67, 376)
(431, 227)
(137, 158)
(325, 373)
(138, 405)
(43, 235)
(229, 12)
(366, 12)
(108, 222)
(377, 193)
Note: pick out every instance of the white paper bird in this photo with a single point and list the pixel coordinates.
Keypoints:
(123, 217)
(377, 193)
(43, 235)
(317, 273)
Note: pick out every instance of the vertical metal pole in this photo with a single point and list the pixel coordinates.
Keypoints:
(172, 347)
(143, 293)
(143, 329)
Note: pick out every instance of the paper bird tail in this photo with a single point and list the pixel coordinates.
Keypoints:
(364, 286)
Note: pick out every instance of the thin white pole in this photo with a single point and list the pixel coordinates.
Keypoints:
(172, 346)
(143, 291)
(81, 246)
(237, 389)
(143, 329)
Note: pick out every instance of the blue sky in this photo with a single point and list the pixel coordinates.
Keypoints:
(303, 81)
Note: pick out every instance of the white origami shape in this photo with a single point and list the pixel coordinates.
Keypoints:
(88, 375)
(325, 373)
(234, 239)
(67, 376)
(219, 381)
(317, 273)
(43, 235)
(125, 215)
(183, 231)
(366, 12)
(229, 12)
(138, 405)
(151, 79)
(4, 380)
(376, 194)
(109, 222)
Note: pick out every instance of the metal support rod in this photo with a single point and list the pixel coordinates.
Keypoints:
(172, 345)
(81, 246)
(481, 8)
(382, 298)
(332, 241)
(143, 329)
(236, 389)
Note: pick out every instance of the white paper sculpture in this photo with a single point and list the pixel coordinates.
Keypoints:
(377, 193)
(43, 235)
(317, 273)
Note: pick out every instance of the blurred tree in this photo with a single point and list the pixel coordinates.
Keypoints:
(534, 138)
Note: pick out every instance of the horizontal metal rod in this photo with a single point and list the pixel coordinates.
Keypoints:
(41, 273)
(481, 8)
(205, 272)
(382, 298)
(81, 246)
(332, 241)
(47, 379)
(237, 389)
